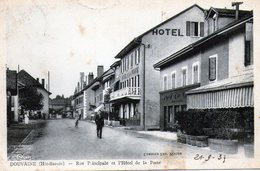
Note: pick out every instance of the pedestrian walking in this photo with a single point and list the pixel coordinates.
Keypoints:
(100, 124)
(77, 117)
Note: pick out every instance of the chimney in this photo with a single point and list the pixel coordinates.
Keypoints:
(37, 80)
(43, 83)
(100, 70)
(78, 87)
(90, 77)
(86, 79)
(237, 8)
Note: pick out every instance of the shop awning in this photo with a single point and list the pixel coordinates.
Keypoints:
(99, 108)
(230, 93)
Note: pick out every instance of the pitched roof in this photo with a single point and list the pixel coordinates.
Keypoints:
(228, 12)
(26, 79)
(207, 39)
(138, 40)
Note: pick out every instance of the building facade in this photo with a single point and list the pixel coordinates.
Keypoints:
(11, 96)
(25, 79)
(219, 57)
(137, 100)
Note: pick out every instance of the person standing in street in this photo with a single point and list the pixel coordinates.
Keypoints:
(77, 117)
(100, 124)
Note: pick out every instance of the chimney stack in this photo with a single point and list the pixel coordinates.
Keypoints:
(237, 8)
(43, 83)
(37, 80)
(90, 77)
(100, 70)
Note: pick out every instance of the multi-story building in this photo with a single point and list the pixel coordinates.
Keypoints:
(78, 97)
(135, 95)
(213, 72)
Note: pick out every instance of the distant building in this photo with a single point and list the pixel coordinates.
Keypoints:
(60, 105)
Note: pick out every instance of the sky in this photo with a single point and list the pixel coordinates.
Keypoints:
(66, 37)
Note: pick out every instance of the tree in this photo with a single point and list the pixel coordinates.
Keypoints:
(30, 99)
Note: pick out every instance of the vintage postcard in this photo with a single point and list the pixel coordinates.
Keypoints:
(129, 85)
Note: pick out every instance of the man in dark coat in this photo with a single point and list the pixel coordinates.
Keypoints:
(100, 124)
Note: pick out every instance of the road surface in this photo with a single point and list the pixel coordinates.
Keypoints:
(60, 140)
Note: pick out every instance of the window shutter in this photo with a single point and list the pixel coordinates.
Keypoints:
(212, 69)
(201, 29)
(187, 28)
(247, 53)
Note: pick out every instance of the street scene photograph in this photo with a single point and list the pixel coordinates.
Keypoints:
(129, 80)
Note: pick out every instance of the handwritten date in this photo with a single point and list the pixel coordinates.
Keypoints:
(206, 158)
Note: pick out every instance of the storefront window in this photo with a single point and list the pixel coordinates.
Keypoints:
(170, 114)
(176, 109)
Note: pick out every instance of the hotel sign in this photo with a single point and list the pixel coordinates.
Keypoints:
(130, 73)
(168, 32)
(174, 97)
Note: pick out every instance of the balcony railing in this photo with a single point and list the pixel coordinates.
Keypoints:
(130, 92)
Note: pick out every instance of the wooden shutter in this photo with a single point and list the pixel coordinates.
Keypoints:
(247, 53)
(212, 68)
(201, 29)
(187, 28)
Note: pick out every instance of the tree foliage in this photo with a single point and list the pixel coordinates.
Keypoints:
(30, 99)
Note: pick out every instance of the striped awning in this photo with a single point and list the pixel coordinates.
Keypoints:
(229, 97)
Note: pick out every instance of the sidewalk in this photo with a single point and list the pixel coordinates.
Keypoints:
(172, 138)
(20, 134)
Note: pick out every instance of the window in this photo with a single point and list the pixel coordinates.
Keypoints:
(214, 19)
(247, 53)
(137, 55)
(127, 62)
(165, 82)
(122, 66)
(138, 81)
(249, 44)
(195, 73)
(194, 28)
(184, 76)
(176, 109)
(135, 52)
(213, 68)
(174, 79)
(132, 59)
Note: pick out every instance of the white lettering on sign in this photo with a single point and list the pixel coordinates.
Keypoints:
(168, 32)
(134, 71)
